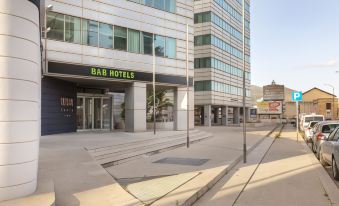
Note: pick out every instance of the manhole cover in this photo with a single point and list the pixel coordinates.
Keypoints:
(182, 161)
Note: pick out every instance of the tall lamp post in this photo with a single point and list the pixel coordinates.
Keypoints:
(244, 83)
(45, 31)
(333, 115)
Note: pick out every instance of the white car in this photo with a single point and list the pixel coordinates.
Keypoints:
(309, 131)
(306, 119)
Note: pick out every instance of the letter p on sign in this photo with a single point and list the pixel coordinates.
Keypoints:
(297, 96)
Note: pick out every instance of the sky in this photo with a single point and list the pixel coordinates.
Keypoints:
(295, 43)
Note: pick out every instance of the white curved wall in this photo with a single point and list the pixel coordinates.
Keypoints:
(20, 76)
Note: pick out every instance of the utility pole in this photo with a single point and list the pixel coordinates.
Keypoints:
(154, 115)
(187, 92)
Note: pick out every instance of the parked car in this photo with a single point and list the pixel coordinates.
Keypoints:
(306, 119)
(309, 131)
(329, 152)
(321, 133)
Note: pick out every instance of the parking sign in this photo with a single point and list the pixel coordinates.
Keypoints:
(297, 96)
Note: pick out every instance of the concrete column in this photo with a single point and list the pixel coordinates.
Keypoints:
(135, 107)
(180, 108)
(224, 113)
(207, 115)
(20, 80)
(236, 115)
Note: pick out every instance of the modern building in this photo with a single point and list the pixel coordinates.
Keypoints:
(218, 61)
(95, 53)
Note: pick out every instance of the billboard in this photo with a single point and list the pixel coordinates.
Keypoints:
(273, 92)
(269, 107)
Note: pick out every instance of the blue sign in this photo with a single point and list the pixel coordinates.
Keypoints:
(297, 96)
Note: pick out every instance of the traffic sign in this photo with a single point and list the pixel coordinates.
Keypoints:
(297, 96)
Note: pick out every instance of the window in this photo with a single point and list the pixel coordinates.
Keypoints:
(170, 47)
(90, 32)
(120, 38)
(170, 5)
(159, 4)
(147, 43)
(55, 22)
(133, 41)
(105, 35)
(328, 106)
(72, 29)
(149, 3)
(159, 44)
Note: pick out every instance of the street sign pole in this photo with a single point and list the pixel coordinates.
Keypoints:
(297, 123)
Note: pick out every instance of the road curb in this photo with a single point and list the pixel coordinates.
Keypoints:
(190, 201)
(328, 185)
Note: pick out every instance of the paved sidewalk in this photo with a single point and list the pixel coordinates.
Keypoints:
(288, 175)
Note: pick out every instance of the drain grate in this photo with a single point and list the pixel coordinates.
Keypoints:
(182, 161)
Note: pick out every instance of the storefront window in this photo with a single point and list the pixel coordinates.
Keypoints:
(147, 43)
(133, 41)
(120, 38)
(105, 35)
(72, 29)
(90, 32)
(55, 22)
(159, 42)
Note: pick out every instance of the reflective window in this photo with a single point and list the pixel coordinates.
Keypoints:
(159, 44)
(105, 35)
(55, 22)
(90, 32)
(133, 41)
(171, 48)
(147, 43)
(120, 38)
(72, 29)
(170, 5)
(159, 4)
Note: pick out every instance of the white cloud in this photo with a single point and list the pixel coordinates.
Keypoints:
(329, 64)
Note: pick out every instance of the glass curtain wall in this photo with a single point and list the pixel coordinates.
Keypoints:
(133, 41)
(105, 35)
(73, 29)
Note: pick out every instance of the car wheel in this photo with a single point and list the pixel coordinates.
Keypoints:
(335, 169)
(321, 158)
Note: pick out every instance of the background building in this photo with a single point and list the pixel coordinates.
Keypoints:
(315, 101)
(218, 61)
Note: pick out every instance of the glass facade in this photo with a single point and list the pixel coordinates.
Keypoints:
(219, 87)
(105, 35)
(73, 29)
(120, 38)
(165, 5)
(211, 17)
(214, 63)
(92, 33)
(215, 41)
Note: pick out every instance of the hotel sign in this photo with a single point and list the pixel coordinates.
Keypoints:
(83, 70)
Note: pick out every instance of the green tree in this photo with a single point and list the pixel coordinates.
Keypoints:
(161, 103)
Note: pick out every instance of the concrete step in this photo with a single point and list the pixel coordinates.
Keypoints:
(108, 160)
(99, 154)
(136, 142)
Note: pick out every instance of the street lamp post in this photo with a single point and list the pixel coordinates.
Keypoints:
(333, 115)
(46, 30)
(244, 83)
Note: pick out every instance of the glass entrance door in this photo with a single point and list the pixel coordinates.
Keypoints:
(94, 113)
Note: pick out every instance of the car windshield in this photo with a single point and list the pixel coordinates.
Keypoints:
(328, 128)
(312, 124)
(308, 119)
(318, 118)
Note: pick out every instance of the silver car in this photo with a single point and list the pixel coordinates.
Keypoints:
(321, 132)
(329, 152)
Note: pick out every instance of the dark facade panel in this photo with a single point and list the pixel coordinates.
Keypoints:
(58, 106)
(83, 70)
